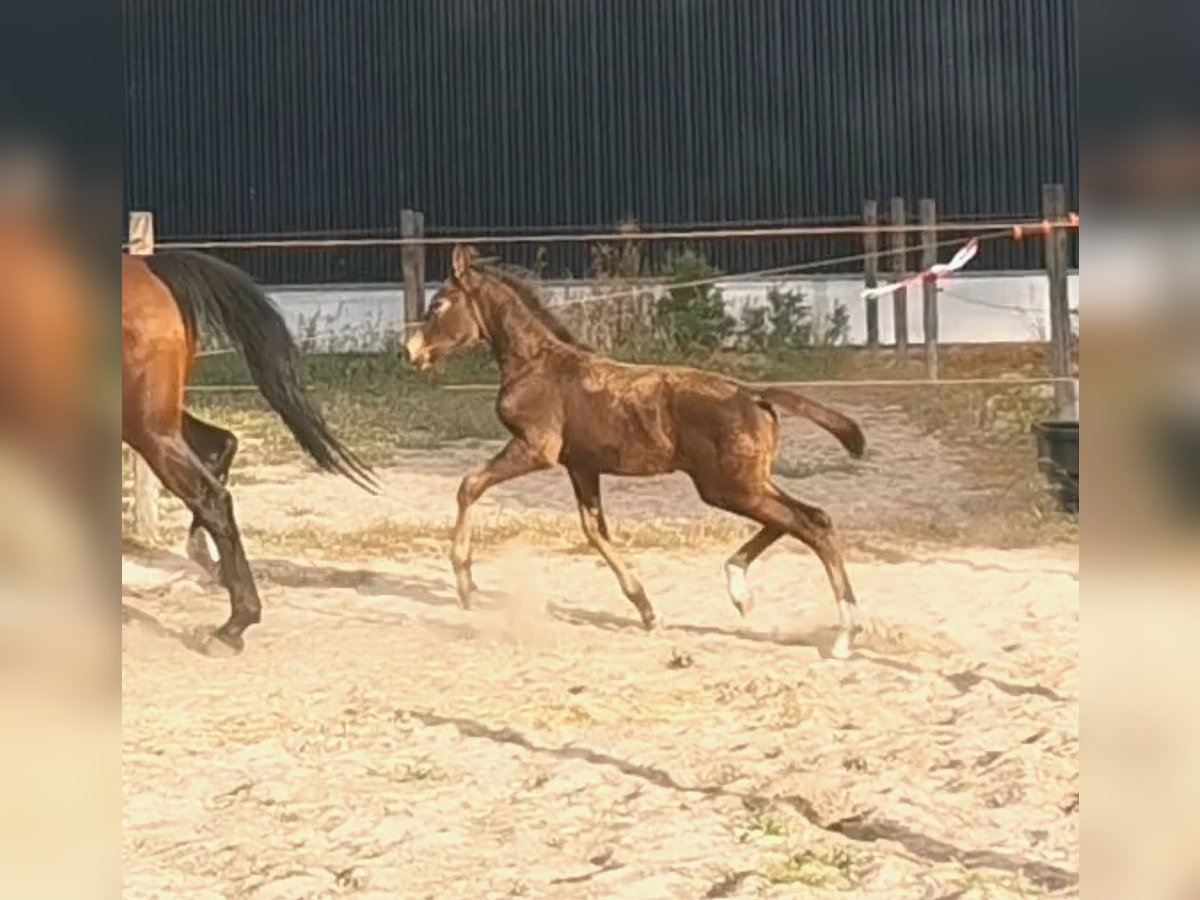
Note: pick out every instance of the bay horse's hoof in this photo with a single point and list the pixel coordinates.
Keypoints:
(223, 646)
(649, 621)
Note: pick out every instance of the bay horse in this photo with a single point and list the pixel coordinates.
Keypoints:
(49, 332)
(164, 299)
(566, 405)
(57, 398)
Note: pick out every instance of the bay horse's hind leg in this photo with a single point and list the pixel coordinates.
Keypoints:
(215, 447)
(184, 475)
(591, 516)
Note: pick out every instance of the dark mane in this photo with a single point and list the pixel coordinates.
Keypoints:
(520, 283)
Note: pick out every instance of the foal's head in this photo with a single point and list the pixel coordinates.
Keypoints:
(452, 322)
(480, 303)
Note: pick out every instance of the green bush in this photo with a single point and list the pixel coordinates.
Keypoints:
(787, 323)
(691, 317)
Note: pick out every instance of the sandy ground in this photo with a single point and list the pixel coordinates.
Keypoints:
(375, 740)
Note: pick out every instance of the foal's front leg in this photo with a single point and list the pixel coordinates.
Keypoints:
(586, 484)
(516, 459)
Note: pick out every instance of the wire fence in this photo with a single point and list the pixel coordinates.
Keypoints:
(884, 257)
(886, 250)
(613, 296)
(301, 241)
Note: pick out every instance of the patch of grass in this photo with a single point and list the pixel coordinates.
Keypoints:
(378, 428)
(985, 884)
(769, 824)
(854, 763)
(831, 868)
(420, 770)
(412, 772)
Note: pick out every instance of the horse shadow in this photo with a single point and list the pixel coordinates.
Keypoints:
(820, 638)
(437, 592)
(272, 572)
(193, 639)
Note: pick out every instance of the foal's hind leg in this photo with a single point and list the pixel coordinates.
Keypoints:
(215, 447)
(516, 459)
(587, 493)
(777, 511)
(735, 567)
(182, 473)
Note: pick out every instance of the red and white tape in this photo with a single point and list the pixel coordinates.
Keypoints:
(933, 273)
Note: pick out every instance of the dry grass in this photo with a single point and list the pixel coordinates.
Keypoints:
(987, 429)
(379, 429)
(405, 540)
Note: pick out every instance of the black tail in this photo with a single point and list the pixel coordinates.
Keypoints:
(842, 427)
(223, 296)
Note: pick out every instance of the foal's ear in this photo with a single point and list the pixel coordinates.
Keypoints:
(461, 260)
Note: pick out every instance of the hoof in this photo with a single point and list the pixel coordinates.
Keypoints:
(649, 621)
(841, 648)
(744, 604)
(222, 646)
(739, 591)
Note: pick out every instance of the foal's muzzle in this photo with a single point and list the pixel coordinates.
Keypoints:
(418, 353)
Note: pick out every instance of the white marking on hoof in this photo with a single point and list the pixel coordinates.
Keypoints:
(841, 646)
(739, 590)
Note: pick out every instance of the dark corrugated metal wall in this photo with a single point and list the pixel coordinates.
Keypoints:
(270, 116)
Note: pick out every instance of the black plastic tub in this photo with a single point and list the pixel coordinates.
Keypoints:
(1058, 459)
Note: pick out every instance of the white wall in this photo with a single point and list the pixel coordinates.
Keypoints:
(974, 308)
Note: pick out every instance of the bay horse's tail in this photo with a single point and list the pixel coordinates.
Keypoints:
(223, 296)
(842, 427)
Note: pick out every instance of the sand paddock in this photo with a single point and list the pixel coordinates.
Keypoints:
(375, 740)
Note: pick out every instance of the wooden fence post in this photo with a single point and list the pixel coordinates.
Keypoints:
(899, 267)
(1054, 210)
(871, 269)
(929, 286)
(145, 482)
(412, 225)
